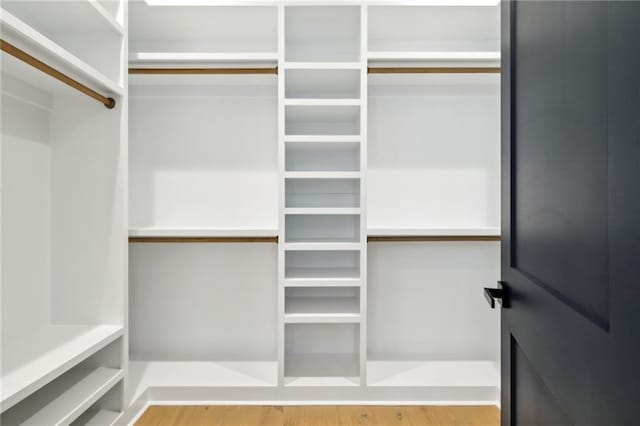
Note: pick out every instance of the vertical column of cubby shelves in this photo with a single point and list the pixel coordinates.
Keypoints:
(322, 229)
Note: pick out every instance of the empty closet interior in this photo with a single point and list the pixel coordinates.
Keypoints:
(276, 202)
(63, 211)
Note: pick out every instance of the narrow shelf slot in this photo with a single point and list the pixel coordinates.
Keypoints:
(322, 84)
(322, 33)
(322, 304)
(65, 399)
(322, 264)
(322, 156)
(322, 354)
(324, 193)
(322, 120)
(322, 228)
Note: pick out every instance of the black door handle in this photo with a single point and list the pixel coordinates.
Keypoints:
(491, 294)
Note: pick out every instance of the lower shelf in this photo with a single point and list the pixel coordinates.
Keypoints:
(322, 370)
(36, 358)
(97, 418)
(149, 374)
(433, 373)
(66, 399)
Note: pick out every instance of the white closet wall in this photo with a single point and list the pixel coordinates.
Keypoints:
(63, 167)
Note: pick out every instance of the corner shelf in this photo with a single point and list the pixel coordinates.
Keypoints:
(62, 346)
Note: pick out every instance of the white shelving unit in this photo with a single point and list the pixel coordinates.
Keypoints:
(63, 169)
(322, 239)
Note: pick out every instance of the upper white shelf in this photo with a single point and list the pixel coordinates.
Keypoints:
(202, 232)
(25, 369)
(322, 102)
(18, 33)
(78, 16)
(322, 138)
(203, 58)
(434, 232)
(435, 58)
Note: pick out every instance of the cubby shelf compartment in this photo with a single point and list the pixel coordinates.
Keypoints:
(339, 267)
(70, 396)
(322, 305)
(322, 120)
(322, 33)
(322, 228)
(23, 36)
(324, 370)
(323, 157)
(322, 354)
(62, 346)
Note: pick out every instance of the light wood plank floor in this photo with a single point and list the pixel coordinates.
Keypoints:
(320, 416)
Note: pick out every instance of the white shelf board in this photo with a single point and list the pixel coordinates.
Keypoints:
(433, 232)
(322, 310)
(98, 418)
(203, 232)
(321, 370)
(218, 58)
(34, 359)
(433, 373)
(322, 210)
(158, 374)
(74, 393)
(322, 282)
(78, 16)
(321, 138)
(436, 58)
(321, 246)
(321, 274)
(321, 102)
(26, 38)
(322, 175)
(322, 65)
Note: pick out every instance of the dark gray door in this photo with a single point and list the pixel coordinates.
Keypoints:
(571, 212)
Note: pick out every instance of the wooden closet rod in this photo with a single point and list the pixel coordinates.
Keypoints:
(433, 70)
(36, 63)
(203, 71)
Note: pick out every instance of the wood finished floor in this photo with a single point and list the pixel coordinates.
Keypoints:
(320, 416)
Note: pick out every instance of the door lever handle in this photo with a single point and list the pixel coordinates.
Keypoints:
(491, 294)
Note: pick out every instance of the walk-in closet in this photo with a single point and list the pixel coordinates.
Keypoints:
(247, 202)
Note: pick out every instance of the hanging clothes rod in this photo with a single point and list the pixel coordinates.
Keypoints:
(430, 238)
(433, 70)
(10, 49)
(272, 239)
(203, 71)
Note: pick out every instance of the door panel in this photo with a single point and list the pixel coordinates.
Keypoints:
(571, 212)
